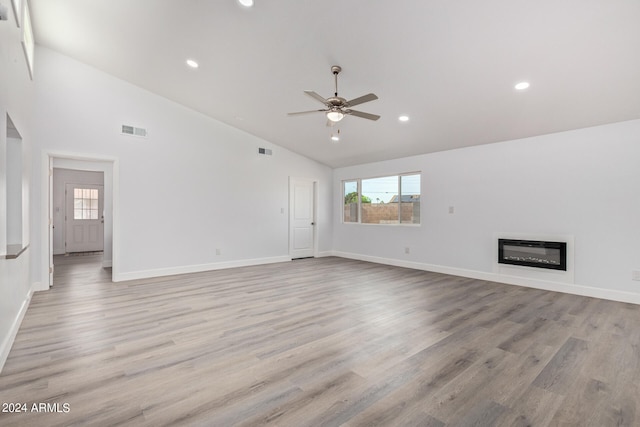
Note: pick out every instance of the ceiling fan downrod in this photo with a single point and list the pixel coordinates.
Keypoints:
(336, 70)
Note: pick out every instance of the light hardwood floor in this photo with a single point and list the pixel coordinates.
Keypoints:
(319, 342)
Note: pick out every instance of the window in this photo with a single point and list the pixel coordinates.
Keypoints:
(351, 208)
(409, 199)
(384, 200)
(377, 196)
(85, 203)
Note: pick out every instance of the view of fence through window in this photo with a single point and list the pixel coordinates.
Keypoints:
(351, 201)
(384, 200)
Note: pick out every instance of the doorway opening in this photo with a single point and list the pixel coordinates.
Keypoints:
(80, 218)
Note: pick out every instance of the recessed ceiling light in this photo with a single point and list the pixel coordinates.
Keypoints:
(522, 85)
(246, 3)
(403, 118)
(191, 63)
(335, 138)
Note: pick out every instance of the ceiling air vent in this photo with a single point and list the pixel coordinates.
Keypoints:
(132, 130)
(265, 151)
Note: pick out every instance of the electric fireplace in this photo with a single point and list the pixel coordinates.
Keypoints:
(533, 253)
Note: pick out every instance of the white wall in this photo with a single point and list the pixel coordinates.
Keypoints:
(16, 100)
(192, 186)
(14, 183)
(583, 183)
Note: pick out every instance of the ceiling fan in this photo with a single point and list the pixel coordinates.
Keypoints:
(338, 107)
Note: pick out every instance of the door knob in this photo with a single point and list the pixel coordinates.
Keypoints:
(313, 223)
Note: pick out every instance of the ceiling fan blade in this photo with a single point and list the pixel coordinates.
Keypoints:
(306, 112)
(361, 100)
(316, 96)
(363, 115)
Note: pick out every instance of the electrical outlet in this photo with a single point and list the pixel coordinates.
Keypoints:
(217, 251)
(407, 250)
(635, 275)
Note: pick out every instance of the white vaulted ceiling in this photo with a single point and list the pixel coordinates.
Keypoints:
(451, 66)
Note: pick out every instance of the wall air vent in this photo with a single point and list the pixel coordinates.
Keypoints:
(265, 151)
(134, 131)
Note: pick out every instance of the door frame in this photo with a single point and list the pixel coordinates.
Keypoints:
(315, 183)
(110, 167)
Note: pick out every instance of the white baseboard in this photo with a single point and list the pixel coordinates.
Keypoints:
(567, 288)
(324, 254)
(106, 263)
(7, 343)
(40, 286)
(146, 274)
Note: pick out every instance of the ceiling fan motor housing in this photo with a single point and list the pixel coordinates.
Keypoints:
(336, 101)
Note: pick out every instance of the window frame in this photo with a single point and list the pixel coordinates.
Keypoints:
(359, 200)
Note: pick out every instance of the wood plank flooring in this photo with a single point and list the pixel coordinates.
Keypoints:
(318, 342)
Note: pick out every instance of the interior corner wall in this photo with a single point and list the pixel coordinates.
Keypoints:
(16, 101)
(192, 186)
(583, 183)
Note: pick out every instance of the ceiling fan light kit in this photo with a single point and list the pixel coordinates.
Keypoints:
(337, 107)
(335, 116)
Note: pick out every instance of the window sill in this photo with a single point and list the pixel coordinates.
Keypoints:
(14, 251)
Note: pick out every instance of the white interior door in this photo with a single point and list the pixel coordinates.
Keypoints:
(301, 218)
(84, 218)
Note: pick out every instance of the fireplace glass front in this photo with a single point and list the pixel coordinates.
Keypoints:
(533, 253)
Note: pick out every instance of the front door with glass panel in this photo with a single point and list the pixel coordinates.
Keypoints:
(84, 219)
